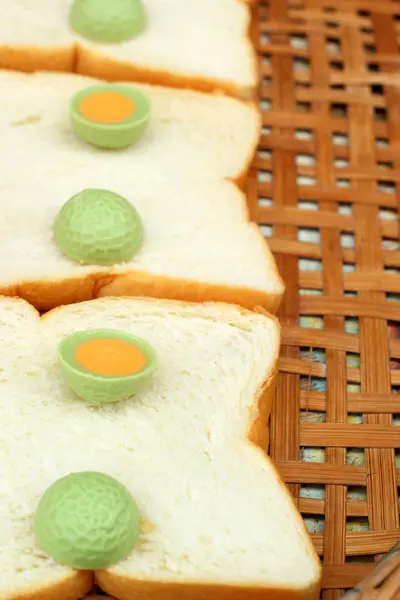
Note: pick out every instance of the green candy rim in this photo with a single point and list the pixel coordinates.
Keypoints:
(80, 24)
(141, 102)
(67, 346)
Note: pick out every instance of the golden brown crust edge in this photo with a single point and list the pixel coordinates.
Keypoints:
(126, 589)
(77, 585)
(84, 61)
(48, 294)
(36, 58)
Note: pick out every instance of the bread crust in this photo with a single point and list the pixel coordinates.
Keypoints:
(124, 588)
(48, 294)
(76, 585)
(36, 58)
(85, 61)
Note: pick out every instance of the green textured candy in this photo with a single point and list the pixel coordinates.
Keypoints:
(98, 227)
(108, 20)
(87, 521)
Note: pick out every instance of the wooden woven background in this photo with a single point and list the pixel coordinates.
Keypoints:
(326, 190)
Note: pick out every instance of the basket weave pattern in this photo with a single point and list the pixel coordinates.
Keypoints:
(325, 189)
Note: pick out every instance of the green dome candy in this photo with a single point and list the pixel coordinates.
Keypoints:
(98, 227)
(87, 521)
(107, 20)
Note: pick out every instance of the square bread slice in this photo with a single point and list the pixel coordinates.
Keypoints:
(198, 242)
(187, 447)
(203, 44)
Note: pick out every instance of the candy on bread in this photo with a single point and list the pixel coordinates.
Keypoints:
(187, 447)
(203, 44)
(198, 243)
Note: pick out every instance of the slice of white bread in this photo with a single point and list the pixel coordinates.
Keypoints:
(217, 522)
(203, 44)
(198, 243)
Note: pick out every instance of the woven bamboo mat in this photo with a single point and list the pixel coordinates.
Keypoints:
(325, 189)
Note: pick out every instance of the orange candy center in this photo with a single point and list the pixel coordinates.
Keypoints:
(106, 107)
(110, 357)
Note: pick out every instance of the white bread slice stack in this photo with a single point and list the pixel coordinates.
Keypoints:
(198, 242)
(203, 44)
(217, 522)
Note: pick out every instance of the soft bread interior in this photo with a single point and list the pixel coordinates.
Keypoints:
(195, 222)
(213, 507)
(201, 38)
